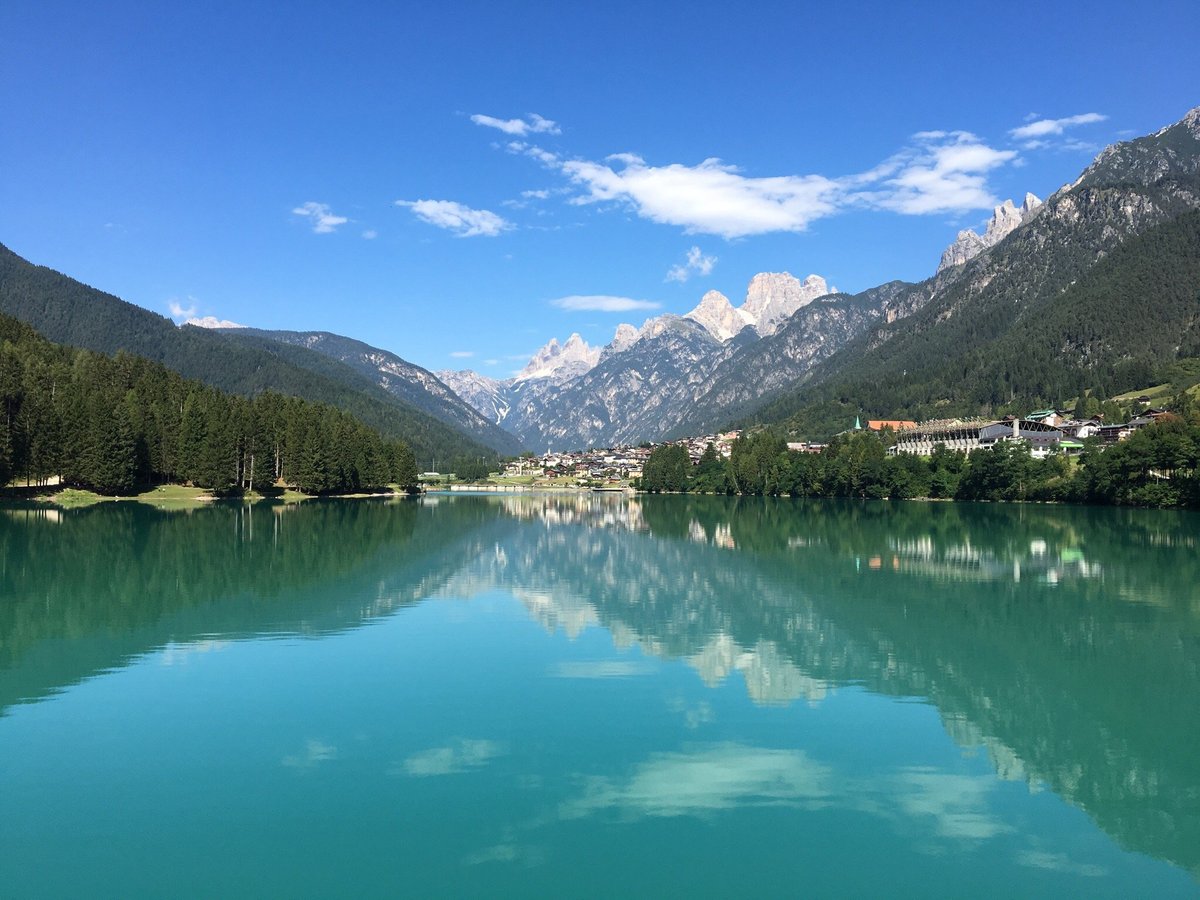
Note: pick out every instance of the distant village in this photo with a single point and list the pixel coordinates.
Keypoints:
(1043, 432)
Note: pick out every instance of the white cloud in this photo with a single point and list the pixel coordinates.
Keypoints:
(709, 198)
(697, 262)
(944, 172)
(212, 322)
(462, 756)
(602, 303)
(320, 216)
(1046, 127)
(535, 195)
(370, 234)
(535, 124)
(462, 354)
(179, 311)
(456, 217)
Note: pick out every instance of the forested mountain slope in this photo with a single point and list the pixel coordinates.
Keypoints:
(68, 312)
(410, 383)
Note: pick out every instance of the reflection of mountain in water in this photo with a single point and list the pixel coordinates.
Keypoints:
(1069, 657)
(1066, 642)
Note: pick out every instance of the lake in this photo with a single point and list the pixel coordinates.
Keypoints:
(588, 695)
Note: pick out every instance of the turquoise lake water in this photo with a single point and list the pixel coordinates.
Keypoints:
(580, 695)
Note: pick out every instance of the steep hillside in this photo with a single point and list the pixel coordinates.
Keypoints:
(409, 383)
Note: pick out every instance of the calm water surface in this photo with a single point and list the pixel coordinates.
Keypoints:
(569, 696)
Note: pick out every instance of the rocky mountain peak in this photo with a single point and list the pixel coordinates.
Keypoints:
(561, 361)
(623, 339)
(772, 297)
(1006, 218)
(719, 317)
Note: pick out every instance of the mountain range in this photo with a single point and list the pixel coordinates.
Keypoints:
(1094, 289)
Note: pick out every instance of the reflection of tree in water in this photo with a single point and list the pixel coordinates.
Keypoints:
(90, 589)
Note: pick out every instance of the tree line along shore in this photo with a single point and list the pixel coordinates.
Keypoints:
(114, 424)
(1158, 466)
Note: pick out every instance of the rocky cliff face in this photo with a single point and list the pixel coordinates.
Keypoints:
(773, 297)
(489, 397)
(1006, 219)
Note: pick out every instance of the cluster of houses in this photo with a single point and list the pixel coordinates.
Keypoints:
(1044, 432)
(610, 465)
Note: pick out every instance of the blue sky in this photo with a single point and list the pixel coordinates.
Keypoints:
(441, 181)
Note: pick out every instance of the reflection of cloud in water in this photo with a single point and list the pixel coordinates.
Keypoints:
(770, 676)
(715, 778)
(508, 850)
(177, 654)
(693, 715)
(315, 752)
(706, 780)
(602, 668)
(462, 756)
(1059, 862)
(956, 803)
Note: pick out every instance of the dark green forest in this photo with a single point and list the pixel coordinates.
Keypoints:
(1156, 466)
(114, 423)
(68, 312)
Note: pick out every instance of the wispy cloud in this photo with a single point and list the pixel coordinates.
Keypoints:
(696, 263)
(602, 303)
(533, 151)
(943, 172)
(370, 234)
(320, 216)
(535, 195)
(453, 216)
(535, 124)
(179, 311)
(1047, 127)
(462, 354)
